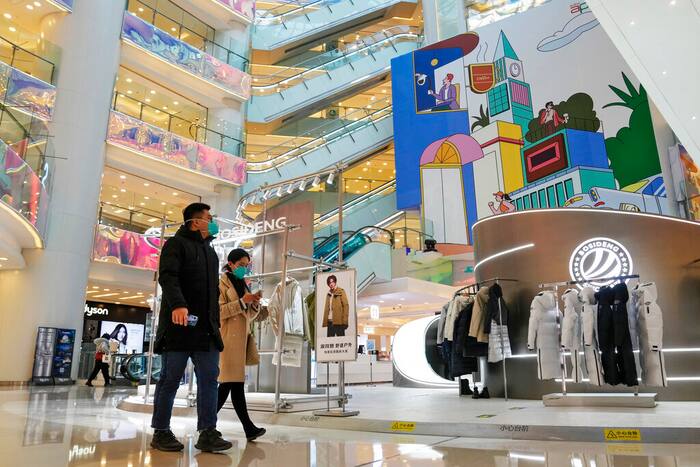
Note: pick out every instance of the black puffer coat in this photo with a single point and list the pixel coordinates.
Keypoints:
(462, 365)
(617, 356)
(492, 311)
(189, 276)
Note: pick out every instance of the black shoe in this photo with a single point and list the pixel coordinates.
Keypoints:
(476, 393)
(165, 440)
(255, 434)
(464, 389)
(210, 440)
(88, 383)
(484, 393)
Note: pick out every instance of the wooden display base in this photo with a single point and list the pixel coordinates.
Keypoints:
(641, 400)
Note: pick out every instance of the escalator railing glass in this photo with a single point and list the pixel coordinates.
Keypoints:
(357, 203)
(330, 131)
(136, 366)
(333, 59)
(357, 240)
(329, 244)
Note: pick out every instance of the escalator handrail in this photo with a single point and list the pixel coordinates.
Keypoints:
(360, 199)
(335, 134)
(405, 31)
(332, 237)
(361, 231)
(125, 365)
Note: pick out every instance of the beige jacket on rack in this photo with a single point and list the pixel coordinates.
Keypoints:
(476, 327)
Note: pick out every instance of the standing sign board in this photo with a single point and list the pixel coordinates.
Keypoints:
(53, 356)
(336, 316)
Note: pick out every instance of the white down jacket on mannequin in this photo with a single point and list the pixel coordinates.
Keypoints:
(571, 334)
(589, 320)
(651, 329)
(542, 335)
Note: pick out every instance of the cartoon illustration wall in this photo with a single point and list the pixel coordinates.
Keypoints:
(535, 111)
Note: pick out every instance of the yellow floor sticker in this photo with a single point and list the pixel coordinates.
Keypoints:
(405, 427)
(622, 434)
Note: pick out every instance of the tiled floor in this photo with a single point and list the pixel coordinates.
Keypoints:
(82, 426)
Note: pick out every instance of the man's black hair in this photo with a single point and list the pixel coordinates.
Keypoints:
(331, 278)
(193, 209)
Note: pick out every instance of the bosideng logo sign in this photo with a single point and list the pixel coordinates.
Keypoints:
(599, 258)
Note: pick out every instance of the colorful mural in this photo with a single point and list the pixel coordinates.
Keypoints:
(686, 180)
(528, 113)
(21, 188)
(244, 7)
(113, 245)
(184, 56)
(132, 133)
(26, 93)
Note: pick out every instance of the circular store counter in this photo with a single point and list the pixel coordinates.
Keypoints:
(541, 246)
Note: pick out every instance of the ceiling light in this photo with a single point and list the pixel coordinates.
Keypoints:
(152, 219)
(384, 91)
(146, 197)
(279, 192)
(129, 80)
(365, 169)
(176, 103)
(123, 190)
(316, 182)
(148, 100)
(302, 185)
(380, 170)
(372, 98)
(114, 196)
(146, 184)
(152, 91)
(165, 107)
(123, 177)
(12, 29)
(2, 258)
(30, 7)
(330, 178)
(290, 189)
(157, 111)
(141, 9)
(162, 203)
(385, 164)
(174, 193)
(7, 15)
(170, 212)
(106, 290)
(142, 204)
(95, 287)
(105, 295)
(37, 4)
(173, 29)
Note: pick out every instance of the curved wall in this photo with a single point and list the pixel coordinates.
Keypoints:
(663, 250)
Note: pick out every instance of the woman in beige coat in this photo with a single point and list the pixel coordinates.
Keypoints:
(238, 307)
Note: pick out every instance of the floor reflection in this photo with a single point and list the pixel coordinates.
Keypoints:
(82, 427)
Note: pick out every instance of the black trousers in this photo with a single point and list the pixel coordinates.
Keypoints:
(239, 404)
(336, 330)
(100, 366)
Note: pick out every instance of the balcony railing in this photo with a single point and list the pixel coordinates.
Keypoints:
(26, 93)
(21, 188)
(119, 246)
(187, 28)
(133, 134)
(245, 8)
(26, 61)
(184, 56)
(171, 122)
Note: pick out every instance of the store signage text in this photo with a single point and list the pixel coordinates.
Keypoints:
(254, 229)
(95, 310)
(599, 258)
(78, 452)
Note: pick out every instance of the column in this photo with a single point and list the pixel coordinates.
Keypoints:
(50, 291)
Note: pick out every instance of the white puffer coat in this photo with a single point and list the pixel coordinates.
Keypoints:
(543, 336)
(571, 335)
(651, 329)
(589, 319)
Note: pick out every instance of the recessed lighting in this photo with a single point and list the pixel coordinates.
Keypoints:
(176, 103)
(152, 91)
(152, 219)
(632, 23)
(114, 196)
(385, 164)
(383, 91)
(148, 100)
(162, 203)
(146, 184)
(174, 193)
(142, 204)
(129, 91)
(129, 80)
(12, 29)
(37, 4)
(95, 287)
(7, 15)
(123, 177)
(173, 29)
(157, 111)
(30, 7)
(693, 117)
(2, 258)
(146, 197)
(106, 290)
(170, 212)
(123, 190)
(118, 303)
(672, 3)
(165, 107)
(372, 98)
(140, 9)
(365, 169)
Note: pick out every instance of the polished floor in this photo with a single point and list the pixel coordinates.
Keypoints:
(82, 426)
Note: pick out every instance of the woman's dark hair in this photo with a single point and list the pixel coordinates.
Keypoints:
(105, 335)
(507, 197)
(549, 103)
(115, 333)
(234, 256)
(331, 278)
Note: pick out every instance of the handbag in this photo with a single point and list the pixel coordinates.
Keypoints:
(252, 357)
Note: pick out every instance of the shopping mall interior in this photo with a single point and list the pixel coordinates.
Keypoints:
(500, 197)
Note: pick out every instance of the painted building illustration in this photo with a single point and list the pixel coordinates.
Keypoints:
(508, 151)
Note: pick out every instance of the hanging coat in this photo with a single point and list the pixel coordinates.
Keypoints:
(589, 319)
(456, 305)
(441, 323)
(462, 365)
(495, 308)
(571, 337)
(617, 355)
(477, 325)
(542, 335)
(650, 335)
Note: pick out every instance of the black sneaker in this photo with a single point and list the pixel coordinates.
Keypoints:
(255, 434)
(464, 389)
(210, 440)
(165, 440)
(88, 383)
(476, 393)
(484, 393)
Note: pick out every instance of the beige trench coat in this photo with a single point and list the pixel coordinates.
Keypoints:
(476, 327)
(235, 327)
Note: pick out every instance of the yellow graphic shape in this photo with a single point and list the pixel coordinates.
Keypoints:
(622, 434)
(405, 427)
(447, 153)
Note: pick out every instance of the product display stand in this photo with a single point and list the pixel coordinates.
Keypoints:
(564, 399)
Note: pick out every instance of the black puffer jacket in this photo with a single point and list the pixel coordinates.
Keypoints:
(492, 311)
(189, 276)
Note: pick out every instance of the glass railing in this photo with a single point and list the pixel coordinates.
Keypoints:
(360, 201)
(26, 93)
(119, 246)
(288, 10)
(22, 189)
(136, 219)
(333, 59)
(329, 131)
(185, 56)
(133, 134)
(245, 8)
(178, 23)
(26, 61)
(232, 144)
(357, 240)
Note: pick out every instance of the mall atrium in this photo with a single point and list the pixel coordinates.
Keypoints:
(453, 232)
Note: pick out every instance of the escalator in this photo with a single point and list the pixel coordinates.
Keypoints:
(135, 368)
(295, 26)
(342, 140)
(317, 82)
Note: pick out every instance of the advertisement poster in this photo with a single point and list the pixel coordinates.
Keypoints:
(43, 355)
(129, 335)
(63, 355)
(336, 316)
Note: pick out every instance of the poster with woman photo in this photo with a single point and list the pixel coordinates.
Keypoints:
(128, 336)
(336, 316)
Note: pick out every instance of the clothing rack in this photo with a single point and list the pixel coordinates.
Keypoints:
(561, 399)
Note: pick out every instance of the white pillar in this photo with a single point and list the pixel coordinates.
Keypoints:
(50, 291)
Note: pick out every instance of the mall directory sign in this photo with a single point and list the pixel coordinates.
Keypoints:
(336, 316)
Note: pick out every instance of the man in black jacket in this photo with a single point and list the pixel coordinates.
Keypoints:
(189, 328)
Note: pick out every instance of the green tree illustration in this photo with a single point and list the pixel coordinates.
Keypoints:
(483, 120)
(581, 116)
(632, 152)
